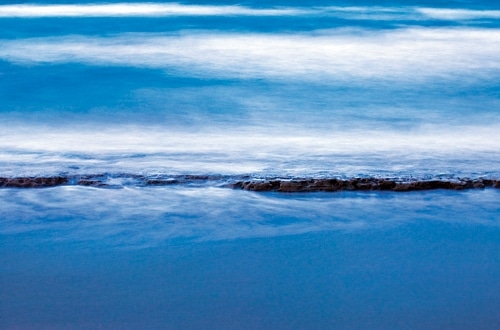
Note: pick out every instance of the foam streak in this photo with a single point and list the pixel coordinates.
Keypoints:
(405, 54)
(141, 10)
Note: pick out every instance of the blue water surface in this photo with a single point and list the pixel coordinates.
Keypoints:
(218, 258)
(399, 89)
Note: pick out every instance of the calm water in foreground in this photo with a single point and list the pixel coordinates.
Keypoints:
(195, 258)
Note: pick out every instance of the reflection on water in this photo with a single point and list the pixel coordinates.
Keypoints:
(151, 216)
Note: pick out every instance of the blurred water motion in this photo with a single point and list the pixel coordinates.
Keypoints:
(151, 216)
(260, 89)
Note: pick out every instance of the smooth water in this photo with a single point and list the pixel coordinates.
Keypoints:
(252, 89)
(170, 257)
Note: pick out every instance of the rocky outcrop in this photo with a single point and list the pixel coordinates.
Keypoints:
(246, 183)
(32, 182)
(362, 184)
(91, 183)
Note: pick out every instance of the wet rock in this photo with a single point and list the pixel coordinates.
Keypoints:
(350, 184)
(327, 185)
(458, 185)
(487, 182)
(402, 187)
(293, 186)
(372, 184)
(32, 182)
(259, 186)
(91, 183)
(433, 184)
(478, 184)
(367, 184)
(386, 184)
(262, 185)
(20, 183)
(159, 182)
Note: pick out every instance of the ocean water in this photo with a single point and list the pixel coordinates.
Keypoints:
(254, 90)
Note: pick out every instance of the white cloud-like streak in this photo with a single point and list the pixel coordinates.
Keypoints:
(405, 54)
(141, 9)
(176, 9)
(271, 150)
(458, 14)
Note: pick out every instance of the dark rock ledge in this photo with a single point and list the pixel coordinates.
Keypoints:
(362, 184)
(33, 182)
(247, 183)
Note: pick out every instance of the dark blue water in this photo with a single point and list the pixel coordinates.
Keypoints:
(400, 89)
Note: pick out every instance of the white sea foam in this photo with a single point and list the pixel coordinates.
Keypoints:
(176, 9)
(458, 14)
(141, 10)
(146, 150)
(129, 138)
(408, 55)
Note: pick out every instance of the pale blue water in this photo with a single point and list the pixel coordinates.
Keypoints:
(259, 89)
